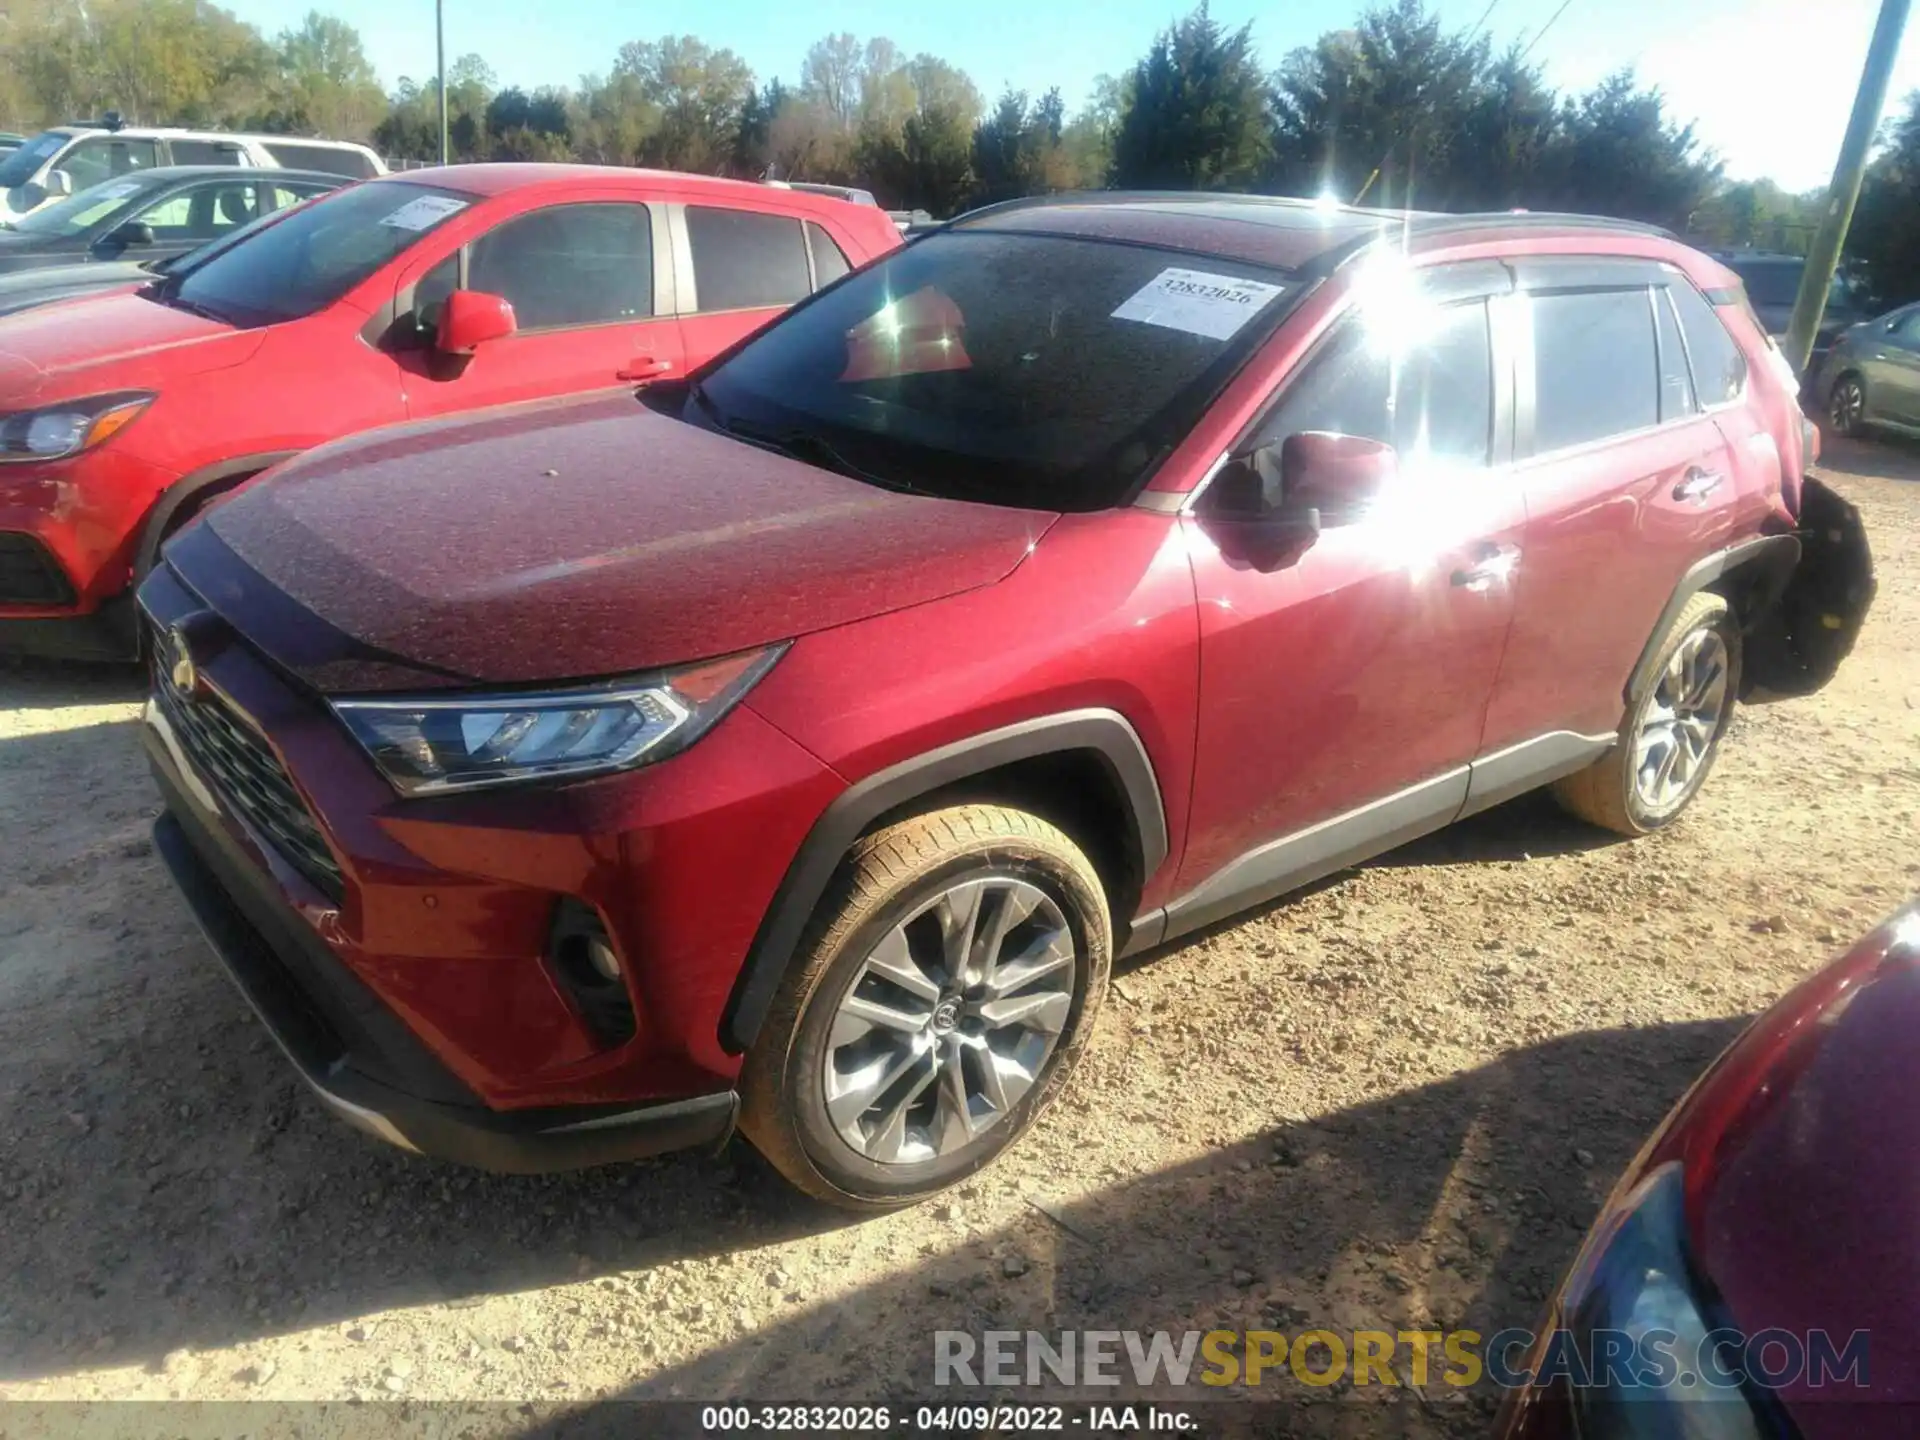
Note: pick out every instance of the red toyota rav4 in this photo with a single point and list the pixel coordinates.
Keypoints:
(797, 744)
(400, 299)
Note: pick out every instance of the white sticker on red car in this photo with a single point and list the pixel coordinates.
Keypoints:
(424, 210)
(1197, 302)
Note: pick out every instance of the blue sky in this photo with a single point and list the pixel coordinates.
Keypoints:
(1768, 81)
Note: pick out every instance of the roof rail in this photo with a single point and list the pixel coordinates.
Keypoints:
(1166, 197)
(1434, 222)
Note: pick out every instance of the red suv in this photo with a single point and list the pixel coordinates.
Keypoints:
(797, 745)
(400, 299)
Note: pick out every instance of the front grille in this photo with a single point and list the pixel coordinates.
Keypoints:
(239, 765)
(29, 575)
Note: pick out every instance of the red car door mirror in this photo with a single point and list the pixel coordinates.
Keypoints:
(1338, 474)
(471, 318)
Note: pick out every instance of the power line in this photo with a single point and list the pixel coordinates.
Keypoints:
(1544, 28)
(1483, 18)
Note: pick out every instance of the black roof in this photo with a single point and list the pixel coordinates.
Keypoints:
(1281, 231)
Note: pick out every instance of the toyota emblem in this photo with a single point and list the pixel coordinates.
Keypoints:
(180, 667)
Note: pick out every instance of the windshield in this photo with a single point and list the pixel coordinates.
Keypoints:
(1027, 370)
(312, 255)
(20, 165)
(81, 212)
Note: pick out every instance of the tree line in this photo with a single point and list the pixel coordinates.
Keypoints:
(1395, 109)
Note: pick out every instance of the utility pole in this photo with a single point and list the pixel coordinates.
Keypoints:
(440, 54)
(1823, 255)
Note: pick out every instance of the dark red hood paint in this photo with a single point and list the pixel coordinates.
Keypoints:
(1806, 1213)
(569, 540)
(1801, 1156)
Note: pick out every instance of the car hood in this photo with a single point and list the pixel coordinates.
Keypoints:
(44, 350)
(25, 289)
(1802, 1149)
(17, 248)
(568, 540)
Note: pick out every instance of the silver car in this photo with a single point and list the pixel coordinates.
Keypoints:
(1871, 376)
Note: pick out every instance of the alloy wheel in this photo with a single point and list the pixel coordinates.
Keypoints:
(950, 1020)
(1681, 719)
(1847, 406)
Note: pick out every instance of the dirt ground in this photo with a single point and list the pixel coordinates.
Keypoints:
(1391, 1103)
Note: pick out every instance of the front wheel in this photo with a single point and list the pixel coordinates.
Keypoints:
(948, 984)
(1670, 737)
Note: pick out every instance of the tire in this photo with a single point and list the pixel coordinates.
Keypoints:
(890, 914)
(1847, 406)
(1624, 790)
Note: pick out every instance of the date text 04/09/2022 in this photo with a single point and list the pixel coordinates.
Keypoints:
(945, 1419)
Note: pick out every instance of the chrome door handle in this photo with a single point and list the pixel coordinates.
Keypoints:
(1493, 562)
(1698, 484)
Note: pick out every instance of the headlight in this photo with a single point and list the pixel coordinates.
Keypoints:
(1632, 1294)
(431, 745)
(69, 427)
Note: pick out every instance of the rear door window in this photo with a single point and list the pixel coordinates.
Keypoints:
(569, 265)
(745, 260)
(1719, 369)
(1596, 366)
(204, 152)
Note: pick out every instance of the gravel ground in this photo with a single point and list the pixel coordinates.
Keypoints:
(1393, 1102)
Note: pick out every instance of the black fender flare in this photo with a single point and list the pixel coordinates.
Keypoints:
(1106, 734)
(1771, 558)
(186, 491)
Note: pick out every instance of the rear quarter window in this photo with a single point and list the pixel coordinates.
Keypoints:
(324, 158)
(1719, 369)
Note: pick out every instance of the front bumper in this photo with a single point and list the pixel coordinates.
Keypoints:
(357, 1057)
(107, 634)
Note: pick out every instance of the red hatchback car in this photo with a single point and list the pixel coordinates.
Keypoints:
(403, 298)
(797, 744)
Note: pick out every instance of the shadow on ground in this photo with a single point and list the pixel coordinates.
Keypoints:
(1883, 457)
(1457, 1204)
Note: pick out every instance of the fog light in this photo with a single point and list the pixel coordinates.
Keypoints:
(583, 960)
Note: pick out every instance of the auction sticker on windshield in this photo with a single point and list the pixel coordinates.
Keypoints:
(1197, 302)
(424, 210)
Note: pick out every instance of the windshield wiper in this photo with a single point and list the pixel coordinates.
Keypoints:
(192, 307)
(706, 403)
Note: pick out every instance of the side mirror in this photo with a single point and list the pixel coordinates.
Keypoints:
(1339, 474)
(59, 184)
(471, 318)
(122, 237)
(1248, 517)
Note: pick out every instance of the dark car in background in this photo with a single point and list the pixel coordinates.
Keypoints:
(1870, 378)
(151, 215)
(1777, 1200)
(1772, 284)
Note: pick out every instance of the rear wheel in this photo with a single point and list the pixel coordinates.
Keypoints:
(1847, 406)
(1670, 737)
(948, 984)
